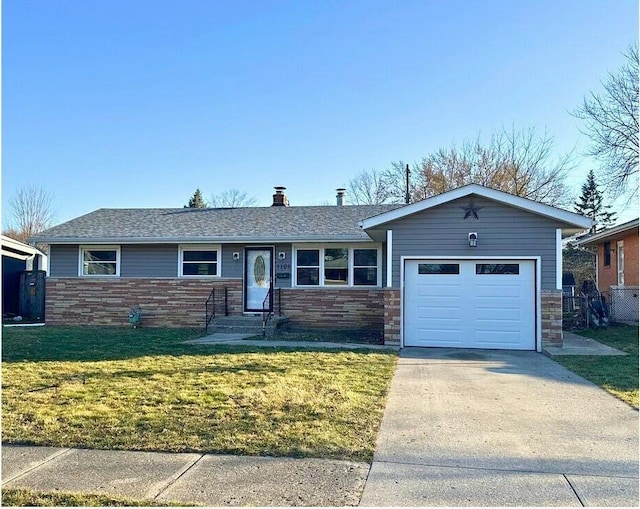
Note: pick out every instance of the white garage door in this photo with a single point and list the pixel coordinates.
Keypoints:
(470, 303)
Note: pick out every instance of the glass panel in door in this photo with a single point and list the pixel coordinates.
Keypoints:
(257, 278)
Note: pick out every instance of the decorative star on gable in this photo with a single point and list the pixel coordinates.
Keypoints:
(471, 210)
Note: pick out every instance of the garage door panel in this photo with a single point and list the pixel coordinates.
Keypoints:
(426, 289)
(498, 305)
(439, 313)
(510, 288)
(439, 337)
(470, 309)
(512, 340)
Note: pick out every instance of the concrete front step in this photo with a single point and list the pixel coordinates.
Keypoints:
(245, 324)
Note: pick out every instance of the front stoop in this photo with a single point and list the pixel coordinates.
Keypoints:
(246, 324)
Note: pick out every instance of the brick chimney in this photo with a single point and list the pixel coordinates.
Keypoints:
(280, 199)
(340, 199)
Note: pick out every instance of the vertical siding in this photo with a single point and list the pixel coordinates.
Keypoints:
(153, 260)
(63, 261)
(502, 231)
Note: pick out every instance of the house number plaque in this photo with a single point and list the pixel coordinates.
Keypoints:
(283, 270)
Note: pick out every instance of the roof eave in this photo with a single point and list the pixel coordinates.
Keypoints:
(21, 246)
(597, 238)
(203, 240)
(572, 219)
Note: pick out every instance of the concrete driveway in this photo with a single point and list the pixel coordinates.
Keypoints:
(496, 428)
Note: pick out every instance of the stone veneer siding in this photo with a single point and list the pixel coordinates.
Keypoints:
(392, 318)
(164, 302)
(335, 308)
(551, 318)
(178, 302)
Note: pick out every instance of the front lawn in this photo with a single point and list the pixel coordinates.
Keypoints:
(616, 374)
(29, 498)
(144, 389)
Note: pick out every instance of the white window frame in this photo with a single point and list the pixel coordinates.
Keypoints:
(81, 251)
(620, 262)
(350, 266)
(182, 248)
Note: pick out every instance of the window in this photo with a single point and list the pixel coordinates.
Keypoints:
(365, 267)
(337, 266)
(199, 261)
(308, 267)
(497, 268)
(607, 254)
(100, 261)
(438, 268)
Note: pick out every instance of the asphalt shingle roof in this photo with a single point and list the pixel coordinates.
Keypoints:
(259, 223)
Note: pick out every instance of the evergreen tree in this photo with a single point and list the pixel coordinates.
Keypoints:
(196, 201)
(590, 205)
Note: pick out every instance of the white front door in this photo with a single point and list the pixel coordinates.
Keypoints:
(470, 303)
(257, 278)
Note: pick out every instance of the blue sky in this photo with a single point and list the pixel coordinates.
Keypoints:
(136, 103)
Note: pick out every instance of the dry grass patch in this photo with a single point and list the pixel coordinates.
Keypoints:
(167, 396)
(29, 498)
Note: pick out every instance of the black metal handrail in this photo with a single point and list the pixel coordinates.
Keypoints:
(267, 312)
(279, 301)
(210, 309)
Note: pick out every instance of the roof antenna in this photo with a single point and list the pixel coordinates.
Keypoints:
(406, 196)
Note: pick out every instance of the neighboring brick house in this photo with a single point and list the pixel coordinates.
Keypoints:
(616, 251)
(473, 267)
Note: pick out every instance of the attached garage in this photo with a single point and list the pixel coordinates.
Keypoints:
(470, 303)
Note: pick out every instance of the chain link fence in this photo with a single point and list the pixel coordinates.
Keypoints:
(618, 305)
(623, 303)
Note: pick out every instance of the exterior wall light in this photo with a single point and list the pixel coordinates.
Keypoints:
(282, 255)
(473, 239)
(236, 256)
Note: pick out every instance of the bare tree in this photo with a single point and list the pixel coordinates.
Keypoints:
(518, 162)
(231, 198)
(368, 188)
(611, 122)
(30, 212)
(375, 187)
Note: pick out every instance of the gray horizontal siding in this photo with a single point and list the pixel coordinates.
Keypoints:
(230, 267)
(154, 260)
(63, 261)
(502, 231)
(235, 268)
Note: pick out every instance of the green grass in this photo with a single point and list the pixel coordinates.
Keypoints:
(616, 374)
(144, 389)
(28, 498)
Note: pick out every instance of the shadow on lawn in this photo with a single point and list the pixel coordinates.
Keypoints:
(116, 343)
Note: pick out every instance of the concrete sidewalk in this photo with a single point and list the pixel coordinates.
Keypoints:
(573, 344)
(204, 479)
(240, 339)
(500, 428)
